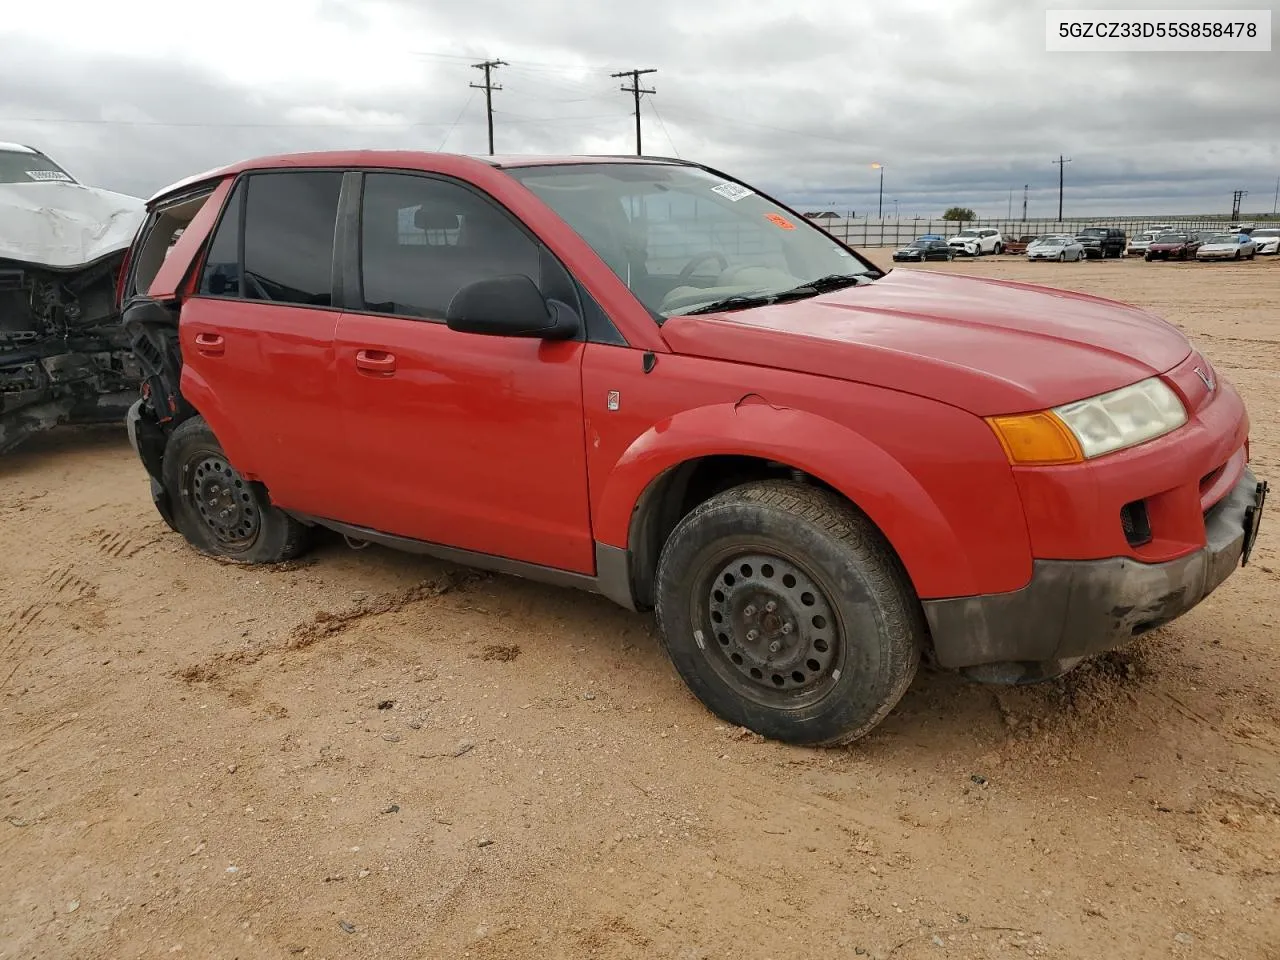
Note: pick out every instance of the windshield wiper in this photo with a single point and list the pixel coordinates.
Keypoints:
(812, 288)
(738, 302)
(834, 281)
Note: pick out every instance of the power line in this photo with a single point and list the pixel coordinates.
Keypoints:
(488, 87)
(1062, 165)
(654, 107)
(456, 120)
(635, 89)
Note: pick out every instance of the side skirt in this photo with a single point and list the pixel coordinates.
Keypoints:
(613, 564)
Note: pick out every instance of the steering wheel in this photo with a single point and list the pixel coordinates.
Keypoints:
(696, 261)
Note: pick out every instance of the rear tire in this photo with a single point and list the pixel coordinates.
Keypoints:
(219, 512)
(786, 612)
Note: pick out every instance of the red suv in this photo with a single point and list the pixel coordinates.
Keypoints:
(647, 379)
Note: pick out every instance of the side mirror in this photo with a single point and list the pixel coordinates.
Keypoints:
(510, 306)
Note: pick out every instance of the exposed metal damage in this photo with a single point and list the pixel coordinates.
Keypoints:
(64, 357)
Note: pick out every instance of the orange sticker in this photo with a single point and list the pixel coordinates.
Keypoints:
(779, 221)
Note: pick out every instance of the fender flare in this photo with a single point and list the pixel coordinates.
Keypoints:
(880, 486)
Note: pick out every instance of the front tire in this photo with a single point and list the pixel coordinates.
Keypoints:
(219, 512)
(786, 612)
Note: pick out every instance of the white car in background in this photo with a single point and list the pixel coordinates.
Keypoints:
(1267, 240)
(1227, 246)
(974, 243)
(1056, 248)
(1139, 244)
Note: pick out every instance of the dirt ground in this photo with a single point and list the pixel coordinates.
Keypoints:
(366, 754)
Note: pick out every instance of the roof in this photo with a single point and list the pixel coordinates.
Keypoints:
(15, 147)
(398, 159)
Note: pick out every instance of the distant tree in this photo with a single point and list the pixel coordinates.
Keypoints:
(959, 213)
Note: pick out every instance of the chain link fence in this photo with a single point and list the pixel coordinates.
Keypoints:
(872, 232)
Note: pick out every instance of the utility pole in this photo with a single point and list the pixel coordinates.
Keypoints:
(488, 87)
(1236, 197)
(635, 90)
(1275, 204)
(1009, 215)
(880, 205)
(1025, 186)
(1062, 165)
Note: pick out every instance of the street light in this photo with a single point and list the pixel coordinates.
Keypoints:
(880, 209)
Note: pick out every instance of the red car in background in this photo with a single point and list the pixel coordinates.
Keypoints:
(646, 379)
(1173, 246)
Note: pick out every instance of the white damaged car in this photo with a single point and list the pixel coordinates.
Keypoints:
(64, 358)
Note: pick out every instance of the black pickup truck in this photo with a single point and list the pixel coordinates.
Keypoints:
(1099, 242)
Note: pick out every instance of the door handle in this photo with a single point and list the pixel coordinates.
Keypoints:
(211, 344)
(376, 361)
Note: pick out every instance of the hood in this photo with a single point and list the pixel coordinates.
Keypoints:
(986, 346)
(63, 225)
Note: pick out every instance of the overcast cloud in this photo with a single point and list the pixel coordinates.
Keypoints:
(958, 98)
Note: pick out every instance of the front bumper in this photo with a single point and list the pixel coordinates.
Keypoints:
(1074, 608)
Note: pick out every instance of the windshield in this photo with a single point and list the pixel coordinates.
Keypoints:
(918, 244)
(21, 167)
(967, 233)
(1223, 238)
(1053, 242)
(1265, 233)
(1093, 232)
(682, 238)
(1170, 238)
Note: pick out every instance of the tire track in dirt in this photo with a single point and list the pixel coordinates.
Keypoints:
(61, 589)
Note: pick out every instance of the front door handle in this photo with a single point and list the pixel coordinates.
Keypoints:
(211, 344)
(376, 361)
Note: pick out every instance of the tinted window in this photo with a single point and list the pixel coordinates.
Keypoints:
(423, 239)
(288, 237)
(221, 274)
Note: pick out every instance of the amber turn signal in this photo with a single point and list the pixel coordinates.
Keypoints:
(1036, 439)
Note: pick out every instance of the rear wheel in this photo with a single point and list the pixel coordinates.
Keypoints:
(786, 613)
(219, 512)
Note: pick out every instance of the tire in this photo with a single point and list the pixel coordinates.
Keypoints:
(999, 249)
(1062, 257)
(1147, 257)
(216, 510)
(1237, 255)
(858, 626)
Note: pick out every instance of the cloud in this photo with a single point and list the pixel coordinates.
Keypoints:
(958, 99)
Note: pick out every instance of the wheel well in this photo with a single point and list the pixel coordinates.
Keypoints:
(671, 496)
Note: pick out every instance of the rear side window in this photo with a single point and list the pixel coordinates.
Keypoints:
(162, 230)
(288, 228)
(423, 239)
(221, 274)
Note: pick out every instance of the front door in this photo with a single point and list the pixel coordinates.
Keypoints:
(470, 441)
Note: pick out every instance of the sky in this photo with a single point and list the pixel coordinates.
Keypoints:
(957, 99)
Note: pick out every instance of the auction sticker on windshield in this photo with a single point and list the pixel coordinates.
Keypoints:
(778, 220)
(731, 191)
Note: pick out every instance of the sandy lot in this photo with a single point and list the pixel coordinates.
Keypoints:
(373, 755)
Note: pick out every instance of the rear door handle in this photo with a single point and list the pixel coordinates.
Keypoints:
(376, 361)
(211, 344)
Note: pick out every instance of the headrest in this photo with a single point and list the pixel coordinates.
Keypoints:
(435, 218)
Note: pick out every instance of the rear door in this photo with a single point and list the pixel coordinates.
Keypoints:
(258, 337)
(471, 441)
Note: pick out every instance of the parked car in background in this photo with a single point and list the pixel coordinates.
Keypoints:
(1020, 245)
(920, 250)
(1227, 246)
(1100, 242)
(1057, 248)
(64, 357)
(1139, 244)
(1173, 246)
(814, 472)
(1267, 240)
(975, 243)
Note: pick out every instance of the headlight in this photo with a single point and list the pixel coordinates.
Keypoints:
(1091, 428)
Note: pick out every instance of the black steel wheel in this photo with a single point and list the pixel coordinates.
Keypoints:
(786, 612)
(777, 636)
(218, 494)
(218, 511)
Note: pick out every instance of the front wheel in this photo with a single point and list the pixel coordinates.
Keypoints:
(786, 612)
(999, 249)
(219, 512)
(1062, 257)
